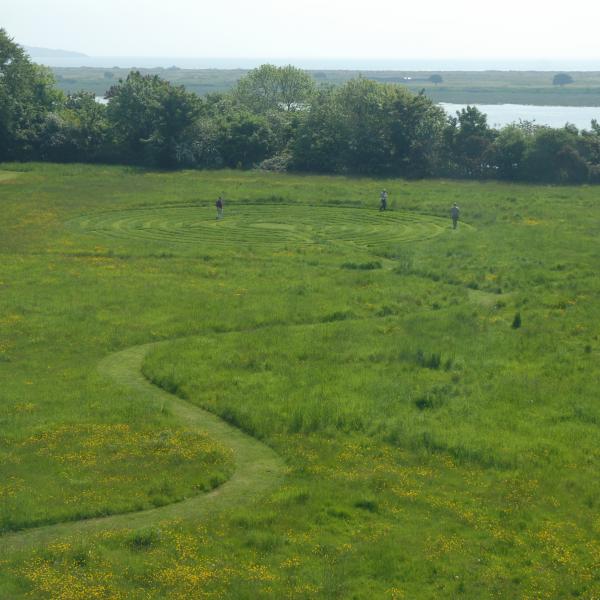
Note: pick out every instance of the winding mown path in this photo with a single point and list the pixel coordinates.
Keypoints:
(258, 468)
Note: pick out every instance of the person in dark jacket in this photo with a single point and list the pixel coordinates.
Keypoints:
(383, 200)
(454, 212)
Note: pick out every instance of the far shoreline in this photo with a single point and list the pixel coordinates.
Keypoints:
(533, 88)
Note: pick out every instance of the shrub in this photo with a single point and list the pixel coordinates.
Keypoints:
(368, 266)
(337, 316)
(143, 539)
(277, 163)
(562, 79)
(433, 398)
(386, 311)
(366, 504)
(433, 361)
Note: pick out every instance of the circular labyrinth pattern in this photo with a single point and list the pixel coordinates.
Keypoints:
(262, 224)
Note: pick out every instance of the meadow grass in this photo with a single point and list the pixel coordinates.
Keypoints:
(433, 448)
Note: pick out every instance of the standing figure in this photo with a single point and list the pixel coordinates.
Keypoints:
(383, 200)
(219, 205)
(454, 212)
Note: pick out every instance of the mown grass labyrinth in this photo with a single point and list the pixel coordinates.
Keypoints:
(261, 224)
(254, 224)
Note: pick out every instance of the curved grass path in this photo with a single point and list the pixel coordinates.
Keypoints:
(268, 225)
(8, 175)
(258, 468)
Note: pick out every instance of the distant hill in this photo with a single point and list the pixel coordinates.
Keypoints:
(36, 52)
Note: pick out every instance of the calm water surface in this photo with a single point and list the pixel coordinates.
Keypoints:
(554, 116)
(503, 114)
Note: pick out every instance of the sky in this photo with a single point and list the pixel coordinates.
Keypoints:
(375, 29)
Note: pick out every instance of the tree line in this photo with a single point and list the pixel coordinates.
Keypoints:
(277, 118)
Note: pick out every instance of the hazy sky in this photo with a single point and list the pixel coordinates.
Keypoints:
(310, 28)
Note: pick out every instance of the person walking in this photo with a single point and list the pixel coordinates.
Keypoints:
(219, 205)
(383, 197)
(454, 212)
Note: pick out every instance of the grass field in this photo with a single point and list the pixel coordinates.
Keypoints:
(468, 87)
(407, 411)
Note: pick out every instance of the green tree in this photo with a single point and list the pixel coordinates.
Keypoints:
(151, 119)
(366, 109)
(562, 79)
(435, 78)
(554, 157)
(269, 88)
(27, 96)
(132, 111)
(244, 139)
(509, 150)
(320, 141)
(468, 141)
(416, 129)
(178, 112)
(589, 146)
(89, 124)
(78, 132)
(369, 127)
(295, 87)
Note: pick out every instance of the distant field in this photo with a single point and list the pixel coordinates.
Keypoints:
(461, 87)
(406, 410)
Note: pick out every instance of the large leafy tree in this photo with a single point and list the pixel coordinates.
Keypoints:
(245, 139)
(554, 156)
(590, 147)
(133, 108)
(562, 79)
(79, 132)
(509, 150)
(174, 131)
(365, 107)
(27, 96)
(320, 142)
(368, 127)
(416, 130)
(295, 87)
(271, 88)
(469, 139)
(90, 124)
(152, 120)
